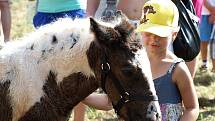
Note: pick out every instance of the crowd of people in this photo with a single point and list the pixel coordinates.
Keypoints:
(174, 86)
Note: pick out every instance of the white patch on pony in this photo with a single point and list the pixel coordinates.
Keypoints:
(26, 63)
(142, 58)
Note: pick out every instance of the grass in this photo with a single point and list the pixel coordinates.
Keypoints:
(22, 12)
(205, 87)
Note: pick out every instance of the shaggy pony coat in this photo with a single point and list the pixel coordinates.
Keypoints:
(45, 74)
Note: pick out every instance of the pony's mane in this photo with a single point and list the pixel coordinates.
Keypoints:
(72, 36)
(41, 36)
(59, 28)
(66, 31)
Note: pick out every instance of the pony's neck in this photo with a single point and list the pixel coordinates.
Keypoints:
(72, 90)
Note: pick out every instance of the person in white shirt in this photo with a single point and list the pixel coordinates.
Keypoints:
(206, 25)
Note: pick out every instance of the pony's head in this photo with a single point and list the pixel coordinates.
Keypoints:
(122, 65)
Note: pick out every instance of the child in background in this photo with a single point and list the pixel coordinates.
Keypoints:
(211, 20)
(173, 82)
(206, 26)
(50, 10)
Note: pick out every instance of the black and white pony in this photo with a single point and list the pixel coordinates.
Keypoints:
(45, 74)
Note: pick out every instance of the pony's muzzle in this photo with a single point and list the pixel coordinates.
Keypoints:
(153, 111)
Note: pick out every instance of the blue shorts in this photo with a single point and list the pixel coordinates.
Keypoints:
(205, 29)
(41, 18)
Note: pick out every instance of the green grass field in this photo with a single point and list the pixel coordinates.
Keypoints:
(22, 12)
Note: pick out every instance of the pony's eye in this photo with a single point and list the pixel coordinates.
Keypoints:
(128, 70)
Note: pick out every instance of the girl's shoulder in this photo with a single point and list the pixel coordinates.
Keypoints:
(176, 62)
(181, 71)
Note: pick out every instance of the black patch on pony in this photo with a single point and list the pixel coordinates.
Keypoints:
(54, 40)
(73, 43)
(43, 52)
(32, 47)
(74, 39)
(43, 55)
(48, 109)
(5, 105)
(59, 99)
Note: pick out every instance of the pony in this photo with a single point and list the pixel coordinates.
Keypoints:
(49, 71)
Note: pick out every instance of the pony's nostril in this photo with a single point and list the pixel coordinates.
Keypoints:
(157, 115)
(152, 108)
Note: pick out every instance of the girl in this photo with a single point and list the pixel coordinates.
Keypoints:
(173, 82)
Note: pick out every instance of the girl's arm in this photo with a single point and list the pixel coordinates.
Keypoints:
(187, 90)
(98, 101)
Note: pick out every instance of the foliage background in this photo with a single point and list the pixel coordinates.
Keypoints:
(22, 13)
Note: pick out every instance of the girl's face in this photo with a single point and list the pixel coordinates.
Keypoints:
(153, 42)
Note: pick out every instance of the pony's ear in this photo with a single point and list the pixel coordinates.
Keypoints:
(104, 35)
(124, 28)
(93, 24)
(121, 15)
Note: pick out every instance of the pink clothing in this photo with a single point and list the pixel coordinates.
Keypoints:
(198, 7)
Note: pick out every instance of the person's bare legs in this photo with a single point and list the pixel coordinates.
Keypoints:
(212, 54)
(192, 66)
(204, 52)
(213, 66)
(79, 112)
(5, 19)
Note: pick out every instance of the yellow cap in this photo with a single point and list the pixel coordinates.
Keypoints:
(159, 17)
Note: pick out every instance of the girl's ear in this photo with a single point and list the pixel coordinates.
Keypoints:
(174, 35)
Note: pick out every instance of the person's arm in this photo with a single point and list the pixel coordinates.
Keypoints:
(187, 90)
(98, 101)
(5, 19)
(210, 7)
(92, 6)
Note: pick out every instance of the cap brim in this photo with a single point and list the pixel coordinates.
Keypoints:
(162, 31)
